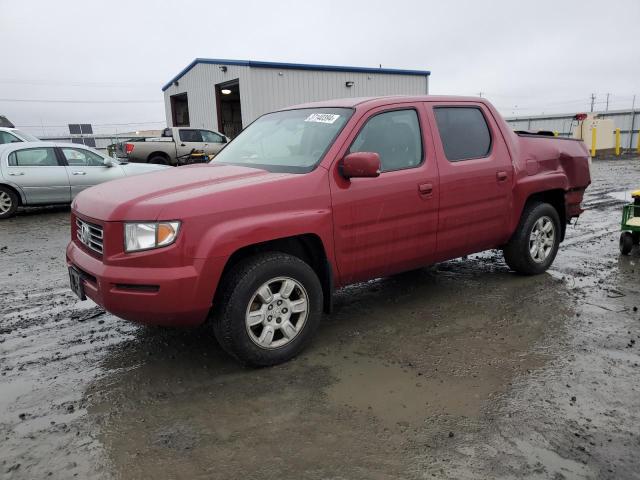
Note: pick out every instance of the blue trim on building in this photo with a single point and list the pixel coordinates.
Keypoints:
(293, 66)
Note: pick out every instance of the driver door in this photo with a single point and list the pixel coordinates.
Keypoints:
(213, 142)
(86, 169)
(387, 224)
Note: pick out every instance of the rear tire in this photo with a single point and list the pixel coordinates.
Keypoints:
(626, 243)
(266, 326)
(9, 202)
(534, 245)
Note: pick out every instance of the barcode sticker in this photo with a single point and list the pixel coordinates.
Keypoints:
(322, 117)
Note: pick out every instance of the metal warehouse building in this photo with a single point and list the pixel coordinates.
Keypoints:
(227, 95)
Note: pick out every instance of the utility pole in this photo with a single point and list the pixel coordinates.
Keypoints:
(593, 99)
(480, 94)
(633, 121)
(607, 108)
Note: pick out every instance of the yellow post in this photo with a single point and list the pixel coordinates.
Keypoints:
(555, 134)
(617, 142)
(593, 141)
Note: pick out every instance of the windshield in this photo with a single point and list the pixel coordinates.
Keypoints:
(292, 141)
(26, 137)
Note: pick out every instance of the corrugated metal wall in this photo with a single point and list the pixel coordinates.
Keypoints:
(273, 89)
(265, 89)
(199, 84)
(623, 120)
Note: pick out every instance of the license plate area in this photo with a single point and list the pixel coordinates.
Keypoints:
(76, 283)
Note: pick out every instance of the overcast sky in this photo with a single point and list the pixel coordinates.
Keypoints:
(104, 62)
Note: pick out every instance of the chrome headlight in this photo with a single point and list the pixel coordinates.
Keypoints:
(145, 236)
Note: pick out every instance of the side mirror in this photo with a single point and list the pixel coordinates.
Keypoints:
(108, 162)
(360, 164)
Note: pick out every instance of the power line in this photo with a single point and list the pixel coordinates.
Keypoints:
(95, 124)
(31, 100)
(15, 81)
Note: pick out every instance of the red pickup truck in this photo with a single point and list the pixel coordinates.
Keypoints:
(314, 197)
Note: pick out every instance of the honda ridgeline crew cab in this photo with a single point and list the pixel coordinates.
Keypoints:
(312, 198)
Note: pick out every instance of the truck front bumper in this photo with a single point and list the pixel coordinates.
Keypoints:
(173, 296)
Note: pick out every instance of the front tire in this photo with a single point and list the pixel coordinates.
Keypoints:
(534, 245)
(8, 203)
(269, 309)
(159, 160)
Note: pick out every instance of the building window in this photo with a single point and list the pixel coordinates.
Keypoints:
(180, 110)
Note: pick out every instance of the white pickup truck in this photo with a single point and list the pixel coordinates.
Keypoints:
(177, 146)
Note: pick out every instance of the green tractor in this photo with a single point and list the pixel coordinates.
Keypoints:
(630, 225)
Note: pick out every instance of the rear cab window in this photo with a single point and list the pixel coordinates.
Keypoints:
(464, 132)
(190, 136)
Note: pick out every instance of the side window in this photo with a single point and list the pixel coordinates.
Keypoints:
(211, 137)
(79, 157)
(190, 136)
(33, 157)
(6, 137)
(395, 136)
(464, 132)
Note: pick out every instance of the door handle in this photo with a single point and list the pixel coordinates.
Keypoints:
(182, 145)
(501, 176)
(425, 188)
(79, 173)
(16, 174)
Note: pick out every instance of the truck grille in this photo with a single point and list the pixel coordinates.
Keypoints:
(89, 235)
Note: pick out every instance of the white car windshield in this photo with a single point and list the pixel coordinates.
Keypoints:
(291, 141)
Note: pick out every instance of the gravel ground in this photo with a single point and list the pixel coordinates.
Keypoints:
(462, 370)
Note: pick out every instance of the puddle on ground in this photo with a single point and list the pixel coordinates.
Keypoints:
(398, 396)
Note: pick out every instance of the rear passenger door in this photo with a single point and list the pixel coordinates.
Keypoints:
(40, 175)
(476, 176)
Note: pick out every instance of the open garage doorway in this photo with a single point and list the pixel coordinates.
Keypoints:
(228, 107)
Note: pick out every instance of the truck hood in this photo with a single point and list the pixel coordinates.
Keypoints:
(144, 197)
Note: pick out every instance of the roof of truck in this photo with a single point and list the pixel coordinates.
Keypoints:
(384, 100)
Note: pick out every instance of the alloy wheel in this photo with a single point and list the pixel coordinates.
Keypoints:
(542, 239)
(277, 312)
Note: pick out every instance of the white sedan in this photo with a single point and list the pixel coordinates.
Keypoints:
(47, 173)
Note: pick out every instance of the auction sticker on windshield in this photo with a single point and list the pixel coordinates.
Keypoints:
(322, 117)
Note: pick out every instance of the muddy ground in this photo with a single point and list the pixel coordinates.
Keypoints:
(462, 370)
